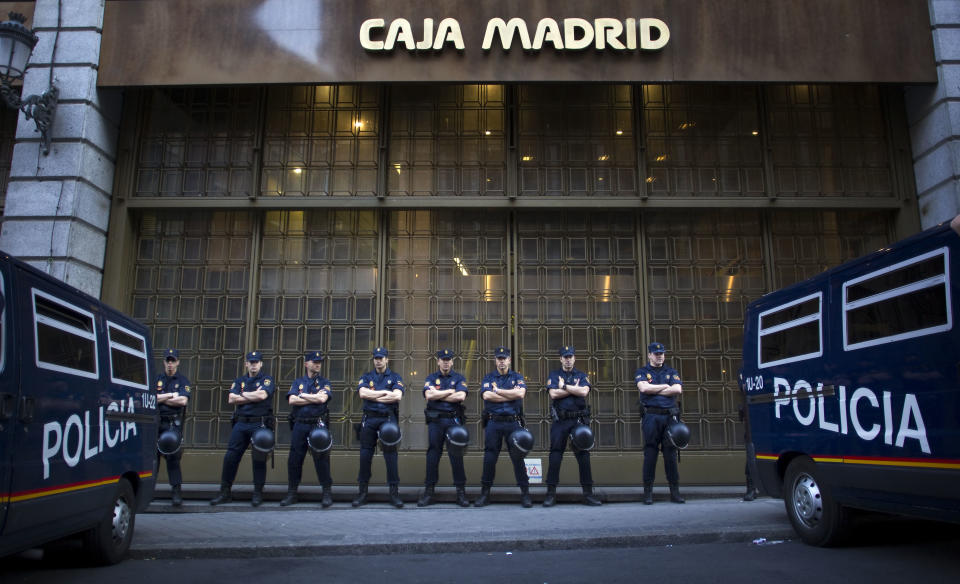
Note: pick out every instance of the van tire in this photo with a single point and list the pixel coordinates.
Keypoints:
(108, 542)
(816, 517)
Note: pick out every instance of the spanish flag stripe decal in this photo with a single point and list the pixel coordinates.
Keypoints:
(66, 488)
(944, 463)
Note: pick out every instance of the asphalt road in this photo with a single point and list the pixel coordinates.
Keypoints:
(903, 552)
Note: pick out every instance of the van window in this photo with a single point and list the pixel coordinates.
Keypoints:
(128, 357)
(902, 301)
(791, 332)
(65, 336)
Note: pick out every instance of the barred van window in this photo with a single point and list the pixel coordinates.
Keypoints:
(903, 301)
(792, 332)
(65, 337)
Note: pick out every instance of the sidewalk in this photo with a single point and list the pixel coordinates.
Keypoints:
(711, 514)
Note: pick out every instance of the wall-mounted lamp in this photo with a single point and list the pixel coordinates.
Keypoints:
(16, 45)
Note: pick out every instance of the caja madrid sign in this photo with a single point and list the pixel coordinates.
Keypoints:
(567, 34)
(263, 42)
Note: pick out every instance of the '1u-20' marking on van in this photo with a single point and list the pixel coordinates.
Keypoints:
(911, 420)
(72, 439)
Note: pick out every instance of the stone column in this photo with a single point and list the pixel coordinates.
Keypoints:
(58, 205)
(934, 117)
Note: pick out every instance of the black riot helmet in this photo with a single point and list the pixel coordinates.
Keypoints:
(581, 438)
(457, 439)
(389, 435)
(319, 440)
(678, 434)
(169, 442)
(262, 442)
(520, 442)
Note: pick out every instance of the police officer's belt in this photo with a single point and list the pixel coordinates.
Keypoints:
(308, 420)
(377, 414)
(572, 414)
(436, 414)
(662, 411)
(251, 418)
(171, 419)
(503, 418)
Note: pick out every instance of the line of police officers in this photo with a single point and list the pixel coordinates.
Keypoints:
(381, 391)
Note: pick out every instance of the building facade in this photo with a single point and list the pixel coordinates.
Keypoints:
(317, 175)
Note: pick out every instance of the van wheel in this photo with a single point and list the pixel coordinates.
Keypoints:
(108, 542)
(815, 515)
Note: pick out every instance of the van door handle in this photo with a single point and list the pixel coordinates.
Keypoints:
(26, 410)
(6, 405)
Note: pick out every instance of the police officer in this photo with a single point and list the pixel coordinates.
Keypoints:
(659, 389)
(502, 391)
(568, 388)
(381, 391)
(749, 471)
(309, 396)
(173, 392)
(445, 391)
(252, 394)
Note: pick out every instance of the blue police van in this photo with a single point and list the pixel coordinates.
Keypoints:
(78, 424)
(852, 388)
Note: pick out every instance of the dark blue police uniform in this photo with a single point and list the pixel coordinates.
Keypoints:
(172, 417)
(305, 420)
(374, 416)
(249, 417)
(570, 410)
(659, 409)
(503, 419)
(441, 415)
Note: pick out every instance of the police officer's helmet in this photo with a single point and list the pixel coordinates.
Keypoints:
(262, 440)
(678, 434)
(319, 440)
(457, 439)
(169, 442)
(389, 435)
(520, 442)
(581, 438)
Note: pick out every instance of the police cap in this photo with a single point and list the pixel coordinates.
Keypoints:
(656, 348)
(313, 356)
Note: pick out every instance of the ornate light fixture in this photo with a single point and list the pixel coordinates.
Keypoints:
(16, 45)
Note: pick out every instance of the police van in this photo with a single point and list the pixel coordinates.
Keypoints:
(852, 388)
(78, 423)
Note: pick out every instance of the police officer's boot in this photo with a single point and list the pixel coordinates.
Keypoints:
(462, 497)
(588, 498)
(395, 499)
(551, 499)
(257, 499)
(675, 494)
(426, 499)
(361, 499)
(484, 499)
(327, 499)
(525, 500)
(176, 497)
(751, 491)
(648, 494)
(290, 498)
(224, 496)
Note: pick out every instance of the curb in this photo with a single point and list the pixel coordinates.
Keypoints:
(770, 535)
